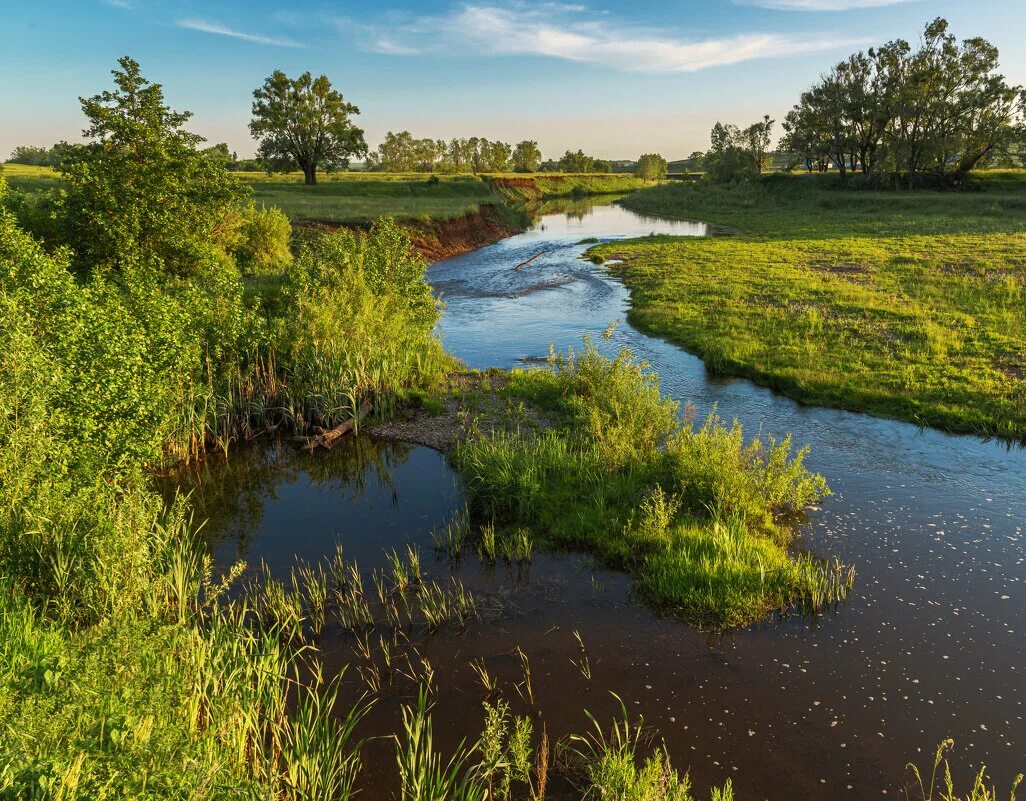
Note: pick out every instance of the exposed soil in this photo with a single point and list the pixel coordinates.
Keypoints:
(439, 239)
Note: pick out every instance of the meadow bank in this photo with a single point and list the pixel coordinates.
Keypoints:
(902, 304)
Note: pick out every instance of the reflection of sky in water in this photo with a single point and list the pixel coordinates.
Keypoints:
(933, 643)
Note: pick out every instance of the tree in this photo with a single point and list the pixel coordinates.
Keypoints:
(651, 167)
(140, 197)
(601, 165)
(731, 157)
(526, 157)
(576, 162)
(936, 113)
(304, 123)
(757, 137)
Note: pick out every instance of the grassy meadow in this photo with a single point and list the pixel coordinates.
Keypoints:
(904, 305)
(363, 197)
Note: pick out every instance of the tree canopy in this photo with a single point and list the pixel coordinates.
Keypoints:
(935, 113)
(651, 167)
(303, 123)
(526, 156)
(402, 152)
(139, 194)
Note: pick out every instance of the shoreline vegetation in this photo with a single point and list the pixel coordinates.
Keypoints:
(910, 306)
(151, 312)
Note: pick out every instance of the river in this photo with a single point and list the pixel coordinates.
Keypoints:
(931, 644)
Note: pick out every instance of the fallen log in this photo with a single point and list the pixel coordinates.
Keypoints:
(525, 263)
(328, 438)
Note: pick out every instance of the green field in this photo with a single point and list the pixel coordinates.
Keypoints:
(362, 197)
(904, 305)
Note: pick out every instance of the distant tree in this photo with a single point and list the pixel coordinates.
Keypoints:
(602, 165)
(30, 155)
(220, 152)
(526, 157)
(576, 162)
(304, 123)
(651, 167)
(139, 196)
(730, 158)
(42, 156)
(757, 139)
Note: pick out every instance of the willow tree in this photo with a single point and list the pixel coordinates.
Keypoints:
(303, 123)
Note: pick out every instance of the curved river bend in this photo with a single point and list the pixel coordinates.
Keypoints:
(931, 644)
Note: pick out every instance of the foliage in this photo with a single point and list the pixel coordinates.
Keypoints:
(932, 114)
(304, 123)
(139, 198)
(651, 167)
(400, 152)
(526, 157)
(579, 162)
(42, 156)
(737, 155)
(266, 234)
(907, 306)
(700, 516)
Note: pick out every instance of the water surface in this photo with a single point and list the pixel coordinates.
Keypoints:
(931, 644)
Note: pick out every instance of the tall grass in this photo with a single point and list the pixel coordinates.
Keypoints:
(701, 515)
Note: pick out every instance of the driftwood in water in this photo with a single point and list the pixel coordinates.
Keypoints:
(327, 438)
(525, 263)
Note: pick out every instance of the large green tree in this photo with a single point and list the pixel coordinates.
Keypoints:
(526, 156)
(303, 123)
(933, 113)
(140, 195)
(651, 167)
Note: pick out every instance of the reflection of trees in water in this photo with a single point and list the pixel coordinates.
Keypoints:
(574, 208)
(230, 494)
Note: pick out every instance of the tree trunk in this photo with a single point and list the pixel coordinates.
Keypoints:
(309, 174)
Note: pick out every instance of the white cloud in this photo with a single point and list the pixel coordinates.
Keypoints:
(123, 4)
(820, 5)
(561, 31)
(222, 30)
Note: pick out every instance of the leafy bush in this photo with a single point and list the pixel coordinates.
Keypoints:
(266, 236)
(698, 514)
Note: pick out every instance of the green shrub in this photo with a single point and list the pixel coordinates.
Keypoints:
(266, 238)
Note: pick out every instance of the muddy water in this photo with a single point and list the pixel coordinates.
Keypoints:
(932, 643)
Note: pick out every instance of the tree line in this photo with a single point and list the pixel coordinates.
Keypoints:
(930, 114)
(402, 152)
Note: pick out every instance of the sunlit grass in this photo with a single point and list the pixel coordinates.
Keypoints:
(910, 306)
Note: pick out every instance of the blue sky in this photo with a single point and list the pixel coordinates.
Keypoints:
(615, 78)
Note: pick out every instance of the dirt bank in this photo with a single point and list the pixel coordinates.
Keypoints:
(439, 239)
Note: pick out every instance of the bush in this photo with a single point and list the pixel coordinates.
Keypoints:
(697, 514)
(266, 237)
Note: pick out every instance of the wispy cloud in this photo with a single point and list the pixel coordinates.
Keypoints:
(572, 33)
(820, 5)
(222, 30)
(123, 4)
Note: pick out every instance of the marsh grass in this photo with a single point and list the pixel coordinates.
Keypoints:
(702, 515)
(607, 762)
(940, 786)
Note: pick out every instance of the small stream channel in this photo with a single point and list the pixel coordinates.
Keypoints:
(931, 644)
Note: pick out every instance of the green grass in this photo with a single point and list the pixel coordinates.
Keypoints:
(363, 197)
(699, 515)
(904, 305)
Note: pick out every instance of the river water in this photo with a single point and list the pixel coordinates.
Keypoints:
(931, 644)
